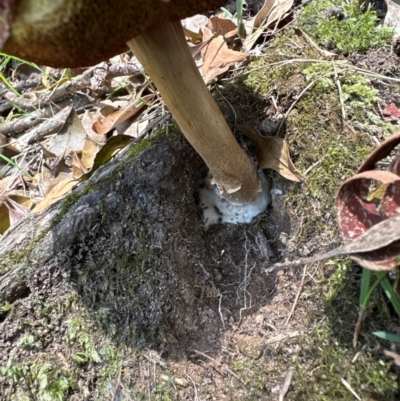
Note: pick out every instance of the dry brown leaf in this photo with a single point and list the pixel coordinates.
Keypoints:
(4, 215)
(273, 153)
(81, 164)
(6, 184)
(70, 138)
(380, 235)
(77, 168)
(16, 210)
(271, 12)
(46, 180)
(192, 27)
(264, 12)
(87, 122)
(280, 8)
(221, 26)
(57, 193)
(217, 57)
(133, 109)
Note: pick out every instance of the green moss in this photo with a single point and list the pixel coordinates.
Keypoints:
(341, 26)
(327, 147)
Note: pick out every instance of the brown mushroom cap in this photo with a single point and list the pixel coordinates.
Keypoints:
(80, 33)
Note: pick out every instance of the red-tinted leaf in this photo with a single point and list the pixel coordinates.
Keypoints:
(357, 212)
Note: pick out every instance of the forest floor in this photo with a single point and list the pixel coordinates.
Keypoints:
(143, 303)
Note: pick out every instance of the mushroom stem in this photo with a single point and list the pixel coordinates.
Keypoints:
(165, 56)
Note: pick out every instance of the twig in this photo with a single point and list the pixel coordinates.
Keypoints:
(216, 363)
(220, 311)
(194, 387)
(286, 384)
(297, 296)
(347, 385)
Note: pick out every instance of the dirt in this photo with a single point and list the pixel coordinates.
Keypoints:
(128, 297)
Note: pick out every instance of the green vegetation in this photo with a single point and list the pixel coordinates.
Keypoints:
(341, 26)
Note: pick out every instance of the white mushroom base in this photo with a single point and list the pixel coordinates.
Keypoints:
(218, 210)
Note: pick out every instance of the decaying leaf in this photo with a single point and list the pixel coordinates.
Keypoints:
(192, 27)
(133, 109)
(70, 138)
(217, 57)
(369, 225)
(13, 208)
(264, 12)
(107, 151)
(57, 193)
(87, 121)
(392, 112)
(273, 153)
(221, 26)
(271, 12)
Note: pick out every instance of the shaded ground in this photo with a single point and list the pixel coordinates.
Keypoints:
(128, 298)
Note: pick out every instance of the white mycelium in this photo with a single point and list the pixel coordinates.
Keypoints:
(216, 209)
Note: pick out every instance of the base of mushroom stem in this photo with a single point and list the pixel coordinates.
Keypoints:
(218, 210)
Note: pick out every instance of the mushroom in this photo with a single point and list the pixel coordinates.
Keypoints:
(78, 33)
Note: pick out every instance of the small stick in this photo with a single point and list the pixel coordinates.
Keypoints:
(216, 363)
(347, 385)
(297, 296)
(286, 384)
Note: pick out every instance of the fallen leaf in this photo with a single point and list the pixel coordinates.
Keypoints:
(107, 151)
(357, 215)
(56, 194)
(4, 215)
(280, 8)
(70, 138)
(365, 244)
(271, 12)
(133, 109)
(382, 151)
(194, 37)
(192, 27)
(392, 112)
(87, 121)
(217, 57)
(264, 12)
(369, 219)
(221, 26)
(13, 208)
(16, 210)
(273, 153)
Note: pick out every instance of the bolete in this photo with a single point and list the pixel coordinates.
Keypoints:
(80, 33)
